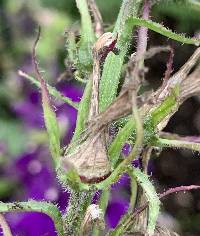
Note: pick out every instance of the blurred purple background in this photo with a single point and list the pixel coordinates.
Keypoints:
(26, 168)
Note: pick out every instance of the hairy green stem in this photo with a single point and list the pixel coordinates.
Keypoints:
(103, 203)
(162, 30)
(133, 198)
(79, 201)
(172, 143)
(154, 205)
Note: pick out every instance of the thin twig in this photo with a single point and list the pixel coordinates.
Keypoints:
(143, 31)
(99, 30)
(169, 65)
(171, 136)
(55, 93)
(166, 193)
(137, 78)
(37, 71)
(161, 196)
(178, 189)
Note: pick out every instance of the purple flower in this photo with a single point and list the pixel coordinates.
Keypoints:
(116, 209)
(35, 173)
(31, 224)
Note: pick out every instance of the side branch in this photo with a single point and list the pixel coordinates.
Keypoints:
(158, 28)
(55, 93)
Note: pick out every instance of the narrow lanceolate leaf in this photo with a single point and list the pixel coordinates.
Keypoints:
(153, 203)
(113, 64)
(162, 30)
(152, 197)
(34, 206)
(51, 125)
(49, 114)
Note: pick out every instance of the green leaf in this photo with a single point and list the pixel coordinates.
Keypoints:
(152, 197)
(162, 30)
(113, 64)
(87, 32)
(153, 200)
(71, 47)
(117, 145)
(49, 114)
(87, 36)
(51, 124)
(35, 206)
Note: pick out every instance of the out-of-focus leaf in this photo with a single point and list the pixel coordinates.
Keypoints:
(13, 136)
(6, 187)
(87, 36)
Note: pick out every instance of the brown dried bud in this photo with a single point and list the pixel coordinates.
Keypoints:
(105, 44)
(93, 216)
(89, 160)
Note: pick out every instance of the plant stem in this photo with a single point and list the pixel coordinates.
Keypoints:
(132, 21)
(79, 201)
(143, 35)
(103, 203)
(134, 190)
(178, 144)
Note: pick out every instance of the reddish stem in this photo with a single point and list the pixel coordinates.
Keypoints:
(164, 194)
(178, 189)
(45, 94)
(143, 32)
(169, 65)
